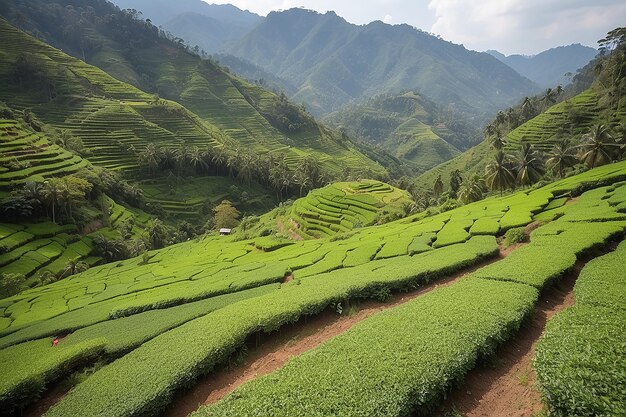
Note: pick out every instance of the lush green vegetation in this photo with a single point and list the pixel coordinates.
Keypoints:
(220, 110)
(332, 62)
(173, 289)
(334, 209)
(579, 358)
(423, 347)
(562, 130)
(411, 127)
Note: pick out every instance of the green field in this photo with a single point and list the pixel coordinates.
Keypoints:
(178, 283)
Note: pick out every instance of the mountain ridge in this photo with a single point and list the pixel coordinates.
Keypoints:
(334, 62)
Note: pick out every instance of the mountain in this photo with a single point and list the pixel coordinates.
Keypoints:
(210, 26)
(409, 126)
(334, 62)
(548, 68)
(162, 11)
(231, 113)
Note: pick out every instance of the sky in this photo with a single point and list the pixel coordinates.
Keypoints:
(509, 26)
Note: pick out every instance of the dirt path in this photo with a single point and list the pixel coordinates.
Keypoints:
(506, 387)
(273, 352)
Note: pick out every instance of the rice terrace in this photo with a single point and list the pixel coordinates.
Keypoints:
(209, 211)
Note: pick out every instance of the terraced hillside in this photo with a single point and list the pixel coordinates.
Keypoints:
(220, 110)
(409, 126)
(30, 156)
(179, 312)
(190, 198)
(37, 250)
(569, 119)
(342, 207)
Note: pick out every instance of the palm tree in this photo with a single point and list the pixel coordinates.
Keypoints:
(499, 175)
(472, 189)
(52, 194)
(150, 157)
(529, 165)
(528, 108)
(438, 187)
(498, 142)
(197, 159)
(75, 266)
(561, 157)
(549, 98)
(598, 147)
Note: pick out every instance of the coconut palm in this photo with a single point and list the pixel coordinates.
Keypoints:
(561, 157)
(499, 175)
(438, 187)
(529, 166)
(75, 266)
(497, 142)
(51, 192)
(150, 157)
(598, 147)
(472, 189)
(197, 159)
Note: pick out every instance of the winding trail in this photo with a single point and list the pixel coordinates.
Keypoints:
(270, 353)
(507, 385)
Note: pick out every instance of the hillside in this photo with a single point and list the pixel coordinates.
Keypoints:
(112, 116)
(329, 211)
(210, 26)
(549, 68)
(176, 314)
(409, 126)
(600, 104)
(334, 62)
(161, 11)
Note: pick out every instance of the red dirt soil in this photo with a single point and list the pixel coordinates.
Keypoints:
(292, 341)
(507, 387)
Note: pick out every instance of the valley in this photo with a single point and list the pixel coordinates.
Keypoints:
(208, 211)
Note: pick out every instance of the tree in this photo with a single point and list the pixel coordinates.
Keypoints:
(52, 189)
(226, 215)
(150, 157)
(598, 147)
(75, 266)
(472, 189)
(438, 187)
(499, 175)
(11, 284)
(158, 234)
(561, 157)
(529, 166)
(497, 141)
(456, 179)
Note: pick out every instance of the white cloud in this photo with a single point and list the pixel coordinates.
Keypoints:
(525, 26)
(388, 19)
(510, 26)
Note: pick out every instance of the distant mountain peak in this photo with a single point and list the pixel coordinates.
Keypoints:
(547, 68)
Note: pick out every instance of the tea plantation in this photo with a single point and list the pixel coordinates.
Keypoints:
(163, 320)
(338, 208)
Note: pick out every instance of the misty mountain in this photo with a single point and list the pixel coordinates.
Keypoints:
(548, 68)
(209, 26)
(333, 62)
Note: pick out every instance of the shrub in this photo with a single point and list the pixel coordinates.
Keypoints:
(514, 236)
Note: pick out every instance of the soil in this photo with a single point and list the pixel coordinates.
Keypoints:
(507, 385)
(51, 397)
(293, 340)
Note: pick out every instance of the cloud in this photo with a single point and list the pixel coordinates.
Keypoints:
(525, 26)
(388, 18)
